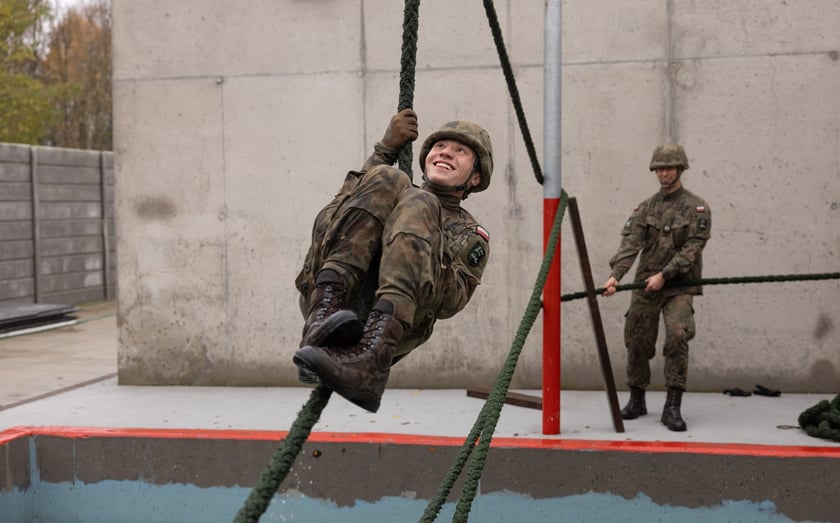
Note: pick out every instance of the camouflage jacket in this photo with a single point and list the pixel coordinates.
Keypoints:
(670, 230)
(465, 253)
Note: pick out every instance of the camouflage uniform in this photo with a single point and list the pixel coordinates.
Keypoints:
(670, 230)
(428, 251)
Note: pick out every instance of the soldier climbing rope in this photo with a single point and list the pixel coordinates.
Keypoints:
(822, 420)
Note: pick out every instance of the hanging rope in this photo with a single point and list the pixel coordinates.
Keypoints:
(408, 63)
(512, 89)
(283, 459)
(485, 425)
(277, 469)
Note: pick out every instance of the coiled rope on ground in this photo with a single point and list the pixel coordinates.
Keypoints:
(822, 420)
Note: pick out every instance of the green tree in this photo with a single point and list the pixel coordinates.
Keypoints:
(27, 104)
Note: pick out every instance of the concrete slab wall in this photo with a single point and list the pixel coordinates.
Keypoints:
(234, 126)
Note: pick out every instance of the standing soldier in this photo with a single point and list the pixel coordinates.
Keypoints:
(412, 251)
(670, 229)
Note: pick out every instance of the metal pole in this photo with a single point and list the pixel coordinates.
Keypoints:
(36, 225)
(552, 77)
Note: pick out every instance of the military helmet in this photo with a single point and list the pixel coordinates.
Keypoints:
(469, 134)
(668, 155)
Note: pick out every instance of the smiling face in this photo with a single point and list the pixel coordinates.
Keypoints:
(669, 178)
(450, 163)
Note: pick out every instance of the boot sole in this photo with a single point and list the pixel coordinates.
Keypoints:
(633, 415)
(306, 359)
(341, 328)
(682, 428)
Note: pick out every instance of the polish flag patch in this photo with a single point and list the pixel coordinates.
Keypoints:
(481, 231)
(701, 208)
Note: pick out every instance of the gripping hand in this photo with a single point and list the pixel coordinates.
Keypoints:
(401, 130)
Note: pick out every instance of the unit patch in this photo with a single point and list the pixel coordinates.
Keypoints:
(476, 254)
(702, 224)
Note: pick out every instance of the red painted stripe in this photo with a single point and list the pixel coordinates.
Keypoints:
(375, 438)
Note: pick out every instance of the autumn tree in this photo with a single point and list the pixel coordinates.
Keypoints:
(55, 74)
(78, 63)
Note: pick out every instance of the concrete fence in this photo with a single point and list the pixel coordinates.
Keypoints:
(57, 240)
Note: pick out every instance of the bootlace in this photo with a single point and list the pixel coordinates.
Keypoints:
(373, 332)
(332, 301)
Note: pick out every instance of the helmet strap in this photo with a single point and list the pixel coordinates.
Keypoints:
(443, 189)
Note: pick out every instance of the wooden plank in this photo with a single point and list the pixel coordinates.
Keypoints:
(512, 398)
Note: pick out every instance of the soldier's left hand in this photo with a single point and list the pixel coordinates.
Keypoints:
(401, 130)
(655, 282)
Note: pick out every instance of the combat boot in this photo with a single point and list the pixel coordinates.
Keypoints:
(636, 405)
(329, 322)
(671, 416)
(358, 372)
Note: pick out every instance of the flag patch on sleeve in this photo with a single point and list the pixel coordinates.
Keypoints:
(481, 231)
(701, 208)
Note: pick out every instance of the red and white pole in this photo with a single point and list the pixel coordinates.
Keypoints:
(552, 190)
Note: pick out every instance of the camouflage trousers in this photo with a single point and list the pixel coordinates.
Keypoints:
(381, 228)
(641, 329)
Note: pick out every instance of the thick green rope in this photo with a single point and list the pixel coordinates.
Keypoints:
(408, 63)
(485, 425)
(277, 469)
(716, 281)
(822, 420)
(283, 459)
(512, 89)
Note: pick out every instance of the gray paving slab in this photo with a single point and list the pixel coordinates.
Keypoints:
(67, 377)
(712, 418)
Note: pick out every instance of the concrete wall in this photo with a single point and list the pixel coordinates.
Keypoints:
(234, 126)
(56, 225)
(207, 477)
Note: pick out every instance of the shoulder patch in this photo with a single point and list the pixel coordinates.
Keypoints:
(701, 208)
(481, 231)
(476, 254)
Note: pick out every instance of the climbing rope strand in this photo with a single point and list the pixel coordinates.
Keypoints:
(284, 457)
(496, 30)
(500, 388)
(408, 64)
(487, 419)
(715, 281)
(445, 487)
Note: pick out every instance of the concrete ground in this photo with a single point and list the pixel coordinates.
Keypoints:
(67, 377)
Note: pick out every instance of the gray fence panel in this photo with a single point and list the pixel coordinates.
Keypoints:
(15, 270)
(56, 215)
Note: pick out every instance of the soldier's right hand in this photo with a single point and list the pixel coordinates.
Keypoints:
(609, 286)
(401, 130)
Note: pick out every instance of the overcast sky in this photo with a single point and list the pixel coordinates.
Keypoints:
(64, 4)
